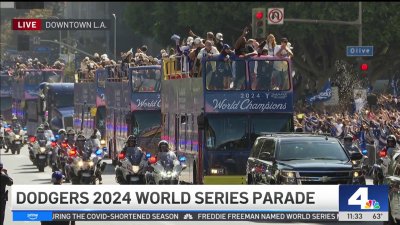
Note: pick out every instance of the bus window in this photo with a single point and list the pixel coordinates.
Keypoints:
(270, 123)
(31, 107)
(183, 132)
(101, 79)
(148, 80)
(226, 132)
(226, 75)
(269, 75)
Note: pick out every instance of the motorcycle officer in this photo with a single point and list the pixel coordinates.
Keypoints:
(93, 144)
(71, 142)
(165, 152)
(71, 137)
(62, 134)
(392, 152)
(80, 144)
(49, 134)
(14, 125)
(130, 146)
(391, 146)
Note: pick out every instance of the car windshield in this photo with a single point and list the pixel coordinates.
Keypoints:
(311, 150)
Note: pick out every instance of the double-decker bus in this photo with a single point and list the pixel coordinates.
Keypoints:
(26, 93)
(57, 103)
(5, 96)
(132, 106)
(85, 96)
(214, 120)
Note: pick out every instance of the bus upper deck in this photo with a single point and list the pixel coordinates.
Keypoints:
(214, 119)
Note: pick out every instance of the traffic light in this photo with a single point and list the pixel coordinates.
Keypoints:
(259, 22)
(363, 66)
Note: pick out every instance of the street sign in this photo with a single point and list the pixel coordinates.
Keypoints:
(275, 15)
(360, 51)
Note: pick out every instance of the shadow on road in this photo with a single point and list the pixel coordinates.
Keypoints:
(30, 171)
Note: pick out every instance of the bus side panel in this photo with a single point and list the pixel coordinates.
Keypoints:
(84, 98)
(182, 103)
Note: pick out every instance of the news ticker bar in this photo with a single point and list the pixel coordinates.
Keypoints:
(61, 24)
(198, 216)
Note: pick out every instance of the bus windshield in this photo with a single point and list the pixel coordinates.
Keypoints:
(65, 100)
(226, 132)
(270, 123)
(147, 123)
(146, 80)
(269, 75)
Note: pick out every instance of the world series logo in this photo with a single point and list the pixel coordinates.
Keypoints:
(363, 198)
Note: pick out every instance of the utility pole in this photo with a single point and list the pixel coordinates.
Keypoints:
(357, 23)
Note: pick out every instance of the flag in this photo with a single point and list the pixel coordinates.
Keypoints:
(323, 95)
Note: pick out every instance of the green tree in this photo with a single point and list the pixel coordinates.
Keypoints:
(316, 46)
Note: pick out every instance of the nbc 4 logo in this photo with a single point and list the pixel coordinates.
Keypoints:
(360, 197)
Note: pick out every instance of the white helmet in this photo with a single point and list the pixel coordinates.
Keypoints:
(219, 36)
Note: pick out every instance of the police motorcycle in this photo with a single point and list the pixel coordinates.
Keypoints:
(64, 153)
(167, 168)
(385, 155)
(15, 136)
(362, 163)
(39, 149)
(87, 168)
(132, 164)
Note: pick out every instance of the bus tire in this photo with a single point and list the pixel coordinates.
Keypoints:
(249, 179)
(194, 173)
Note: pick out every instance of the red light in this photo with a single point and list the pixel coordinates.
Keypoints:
(382, 153)
(53, 144)
(259, 15)
(364, 67)
(72, 152)
(32, 139)
(152, 160)
(121, 155)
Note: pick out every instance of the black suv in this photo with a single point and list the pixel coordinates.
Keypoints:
(301, 159)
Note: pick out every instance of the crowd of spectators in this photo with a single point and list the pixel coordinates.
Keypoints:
(370, 124)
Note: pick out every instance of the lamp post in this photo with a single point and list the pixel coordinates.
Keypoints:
(115, 36)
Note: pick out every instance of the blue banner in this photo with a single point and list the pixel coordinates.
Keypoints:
(323, 95)
(249, 101)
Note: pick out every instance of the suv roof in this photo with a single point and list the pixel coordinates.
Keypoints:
(295, 136)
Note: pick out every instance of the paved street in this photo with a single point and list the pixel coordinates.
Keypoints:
(22, 171)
